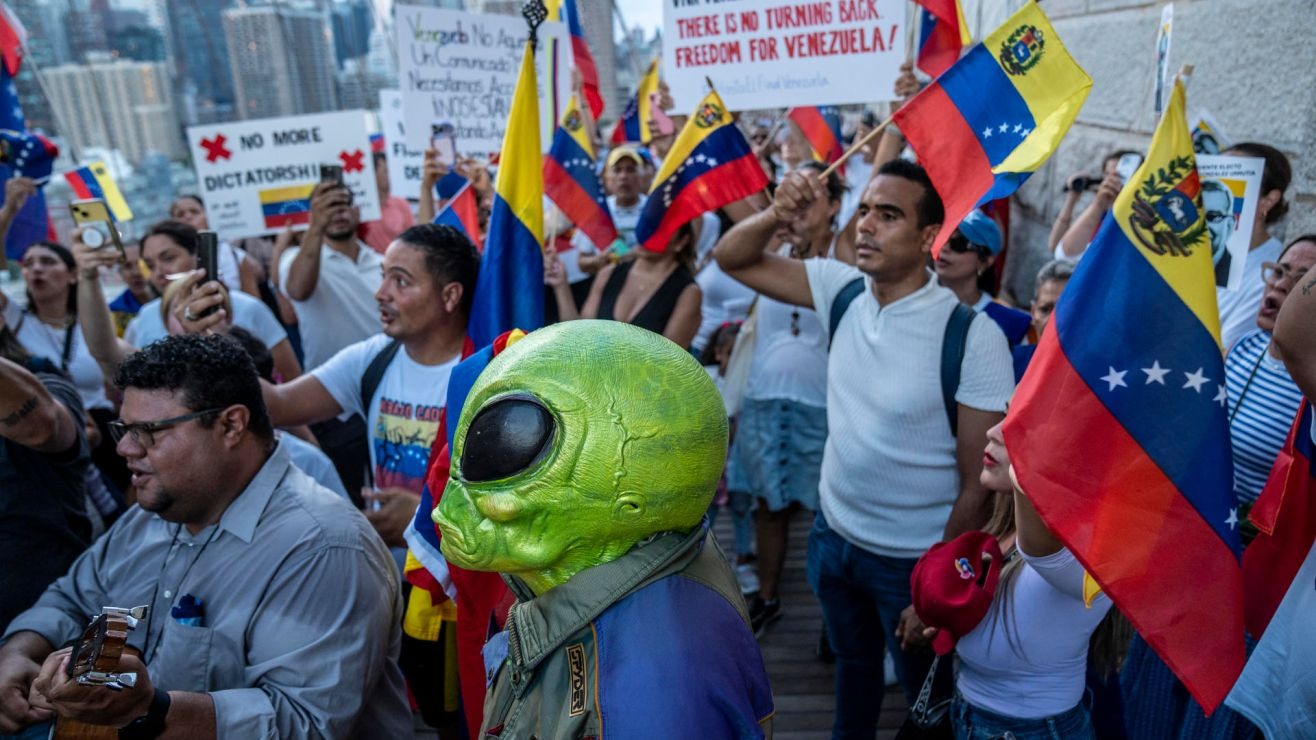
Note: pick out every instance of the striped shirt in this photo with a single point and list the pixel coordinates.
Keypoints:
(1260, 423)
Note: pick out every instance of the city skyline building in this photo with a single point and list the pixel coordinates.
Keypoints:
(281, 60)
(134, 110)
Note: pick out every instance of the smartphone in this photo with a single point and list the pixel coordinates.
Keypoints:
(207, 258)
(661, 120)
(332, 173)
(443, 139)
(1128, 165)
(95, 215)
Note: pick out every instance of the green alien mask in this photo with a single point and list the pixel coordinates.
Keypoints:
(574, 444)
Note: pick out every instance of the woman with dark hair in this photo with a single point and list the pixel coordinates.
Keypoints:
(1022, 667)
(47, 325)
(656, 290)
(1238, 308)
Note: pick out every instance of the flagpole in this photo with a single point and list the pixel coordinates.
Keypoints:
(856, 146)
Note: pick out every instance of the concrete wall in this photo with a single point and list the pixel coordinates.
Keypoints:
(1255, 71)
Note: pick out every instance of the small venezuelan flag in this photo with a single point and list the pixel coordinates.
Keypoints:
(634, 122)
(821, 126)
(942, 34)
(1119, 430)
(570, 180)
(94, 181)
(286, 205)
(510, 290)
(991, 120)
(709, 166)
(462, 212)
(566, 10)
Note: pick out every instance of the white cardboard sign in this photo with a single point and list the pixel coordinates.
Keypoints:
(461, 68)
(256, 176)
(1231, 187)
(404, 160)
(773, 54)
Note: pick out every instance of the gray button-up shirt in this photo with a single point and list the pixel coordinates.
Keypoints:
(302, 610)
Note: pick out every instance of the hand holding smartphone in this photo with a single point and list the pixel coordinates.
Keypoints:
(443, 139)
(332, 174)
(94, 214)
(207, 258)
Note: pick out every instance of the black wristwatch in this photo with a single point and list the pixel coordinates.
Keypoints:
(152, 724)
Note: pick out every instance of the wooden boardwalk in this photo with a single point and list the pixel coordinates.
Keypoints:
(802, 685)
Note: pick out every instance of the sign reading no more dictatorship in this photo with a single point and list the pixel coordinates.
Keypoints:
(256, 176)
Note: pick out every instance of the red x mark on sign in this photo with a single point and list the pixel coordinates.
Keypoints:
(215, 149)
(352, 160)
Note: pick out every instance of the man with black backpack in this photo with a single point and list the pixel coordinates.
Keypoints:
(913, 385)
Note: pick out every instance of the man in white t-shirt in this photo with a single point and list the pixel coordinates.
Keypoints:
(429, 281)
(331, 278)
(894, 480)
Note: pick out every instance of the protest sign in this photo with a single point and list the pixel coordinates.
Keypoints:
(256, 176)
(404, 160)
(1208, 137)
(460, 68)
(1230, 189)
(1163, 32)
(773, 54)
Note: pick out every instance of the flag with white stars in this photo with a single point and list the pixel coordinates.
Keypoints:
(988, 122)
(709, 165)
(571, 181)
(1119, 432)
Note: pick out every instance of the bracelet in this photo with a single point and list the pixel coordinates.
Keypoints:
(150, 725)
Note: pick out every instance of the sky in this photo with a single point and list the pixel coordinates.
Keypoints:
(646, 14)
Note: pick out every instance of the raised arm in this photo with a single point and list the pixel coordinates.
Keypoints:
(301, 401)
(94, 319)
(1295, 334)
(741, 251)
(1079, 234)
(29, 415)
(304, 272)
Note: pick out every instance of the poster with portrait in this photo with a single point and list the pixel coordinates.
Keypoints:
(1230, 189)
(1208, 136)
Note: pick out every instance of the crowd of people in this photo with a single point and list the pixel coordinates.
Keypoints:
(212, 438)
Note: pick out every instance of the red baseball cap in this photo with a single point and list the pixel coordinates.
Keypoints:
(953, 585)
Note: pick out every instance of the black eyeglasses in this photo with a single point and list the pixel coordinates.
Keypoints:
(143, 432)
(960, 244)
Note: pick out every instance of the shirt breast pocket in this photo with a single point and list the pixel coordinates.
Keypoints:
(183, 660)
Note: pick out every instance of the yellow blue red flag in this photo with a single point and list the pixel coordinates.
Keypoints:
(709, 165)
(510, 290)
(634, 122)
(570, 179)
(1119, 433)
(987, 123)
(94, 181)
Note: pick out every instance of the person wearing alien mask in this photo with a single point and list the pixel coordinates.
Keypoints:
(583, 462)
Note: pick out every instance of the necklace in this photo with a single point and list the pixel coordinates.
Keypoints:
(1248, 385)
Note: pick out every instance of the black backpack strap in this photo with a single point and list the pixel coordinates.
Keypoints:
(842, 303)
(953, 345)
(375, 373)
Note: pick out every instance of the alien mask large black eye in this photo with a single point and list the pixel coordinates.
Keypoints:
(505, 438)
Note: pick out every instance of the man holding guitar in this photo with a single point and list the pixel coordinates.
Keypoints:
(274, 608)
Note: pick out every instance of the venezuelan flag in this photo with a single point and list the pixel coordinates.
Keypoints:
(286, 205)
(94, 181)
(992, 119)
(565, 10)
(634, 122)
(943, 33)
(821, 126)
(1119, 431)
(462, 212)
(510, 290)
(709, 166)
(570, 181)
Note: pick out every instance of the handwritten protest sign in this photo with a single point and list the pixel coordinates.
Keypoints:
(256, 176)
(770, 53)
(1230, 189)
(460, 68)
(404, 160)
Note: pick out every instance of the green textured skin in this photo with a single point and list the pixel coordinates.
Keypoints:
(640, 442)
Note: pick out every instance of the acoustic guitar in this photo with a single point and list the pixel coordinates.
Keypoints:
(95, 662)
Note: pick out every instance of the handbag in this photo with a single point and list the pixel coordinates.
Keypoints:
(929, 718)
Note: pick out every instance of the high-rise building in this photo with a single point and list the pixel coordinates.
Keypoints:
(202, 74)
(282, 61)
(116, 104)
(352, 23)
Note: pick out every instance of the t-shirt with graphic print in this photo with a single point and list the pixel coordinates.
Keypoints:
(403, 417)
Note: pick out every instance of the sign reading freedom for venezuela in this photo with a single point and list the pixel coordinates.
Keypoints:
(461, 68)
(256, 176)
(404, 160)
(773, 54)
